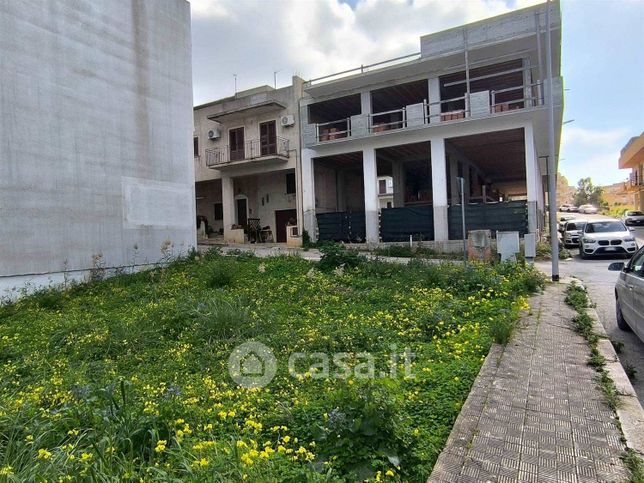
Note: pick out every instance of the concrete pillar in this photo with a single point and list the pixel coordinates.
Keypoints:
(439, 189)
(370, 174)
(228, 205)
(453, 179)
(531, 177)
(398, 174)
(308, 193)
(365, 102)
(434, 97)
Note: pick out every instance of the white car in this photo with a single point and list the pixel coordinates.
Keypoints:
(562, 222)
(571, 233)
(606, 237)
(629, 294)
(588, 209)
(633, 218)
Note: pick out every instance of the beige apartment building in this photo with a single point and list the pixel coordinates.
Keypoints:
(632, 157)
(246, 151)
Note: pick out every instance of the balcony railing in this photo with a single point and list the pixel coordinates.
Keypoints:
(328, 131)
(251, 150)
(446, 110)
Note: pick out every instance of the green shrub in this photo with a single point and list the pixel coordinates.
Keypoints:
(220, 275)
(502, 328)
(335, 255)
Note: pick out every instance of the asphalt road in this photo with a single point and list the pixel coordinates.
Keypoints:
(601, 286)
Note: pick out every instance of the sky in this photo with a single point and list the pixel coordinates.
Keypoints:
(264, 40)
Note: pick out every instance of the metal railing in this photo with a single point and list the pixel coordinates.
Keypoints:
(252, 149)
(382, 121)
(328, 131)
(445, 110)
(535, 99)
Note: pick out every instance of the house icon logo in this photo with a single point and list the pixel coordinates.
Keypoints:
(252, 364)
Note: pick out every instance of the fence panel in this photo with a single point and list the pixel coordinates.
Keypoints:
(504, 216)
(397, 224)
(341, 226)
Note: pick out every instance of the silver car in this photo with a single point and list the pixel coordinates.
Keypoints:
(629, 294)
(588, 209)
(606, 237)
(633, 218)
(571, 233)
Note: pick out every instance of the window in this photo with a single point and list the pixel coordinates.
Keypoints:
(637, 263)
(382, 186)
(195, 144)
(219, 211)
(290, 183)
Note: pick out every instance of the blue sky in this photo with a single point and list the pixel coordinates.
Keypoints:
(603, 66)
(602, 60)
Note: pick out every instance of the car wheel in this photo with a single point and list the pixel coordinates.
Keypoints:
(621, 322)
(582, 254)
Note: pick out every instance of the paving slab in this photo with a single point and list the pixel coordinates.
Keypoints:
(535, 412)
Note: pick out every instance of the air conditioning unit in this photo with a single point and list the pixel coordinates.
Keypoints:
(214, 133)
(287, 121)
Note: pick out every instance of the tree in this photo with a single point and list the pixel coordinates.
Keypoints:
(587, 193)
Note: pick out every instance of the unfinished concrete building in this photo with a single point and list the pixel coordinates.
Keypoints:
(469, 105)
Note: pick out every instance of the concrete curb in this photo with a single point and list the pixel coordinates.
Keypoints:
(629, 410)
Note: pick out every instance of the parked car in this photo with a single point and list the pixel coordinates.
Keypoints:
(588, 209)
(562, 222)
(571, 233)
(633, 218)
(606, 237)
(629, 294)
(568, 208)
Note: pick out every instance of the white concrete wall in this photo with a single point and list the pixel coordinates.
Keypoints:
(95, 135)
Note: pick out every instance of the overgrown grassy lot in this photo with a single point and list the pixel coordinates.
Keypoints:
(127, 378)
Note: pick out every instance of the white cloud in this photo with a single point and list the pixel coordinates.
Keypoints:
(254, 38)
(592, 153)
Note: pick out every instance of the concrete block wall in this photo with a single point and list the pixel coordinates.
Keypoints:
(95, 136)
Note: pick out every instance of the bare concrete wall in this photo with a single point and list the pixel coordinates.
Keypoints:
(95, 134)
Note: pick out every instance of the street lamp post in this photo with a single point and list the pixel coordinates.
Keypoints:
(552, 162)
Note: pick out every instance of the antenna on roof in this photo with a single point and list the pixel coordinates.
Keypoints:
(235, 81)
(275, 78)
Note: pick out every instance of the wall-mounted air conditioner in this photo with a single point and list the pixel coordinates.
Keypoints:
(214, 133)
(287, 121)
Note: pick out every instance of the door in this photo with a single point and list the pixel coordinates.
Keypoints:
(635, 284)
(236, 143)
(267, 138)
(242, 213)
(282, 218)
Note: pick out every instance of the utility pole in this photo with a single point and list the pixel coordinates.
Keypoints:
(552, 162)
(461, 183)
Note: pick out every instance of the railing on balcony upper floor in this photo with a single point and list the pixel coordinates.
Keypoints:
(446, 110)
(328, 131)
(252, 149)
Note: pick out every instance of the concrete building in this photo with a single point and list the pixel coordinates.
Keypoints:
(632, 157)
(247, 172)
(95, 137)
(469, 105)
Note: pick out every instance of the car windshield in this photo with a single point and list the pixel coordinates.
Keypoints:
(605, 227)
(634, 213)
(575, 226)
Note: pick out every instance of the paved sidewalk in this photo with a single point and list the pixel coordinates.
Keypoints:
(535, 413)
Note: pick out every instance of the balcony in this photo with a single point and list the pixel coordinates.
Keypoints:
(254, 150)
(477, 105)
